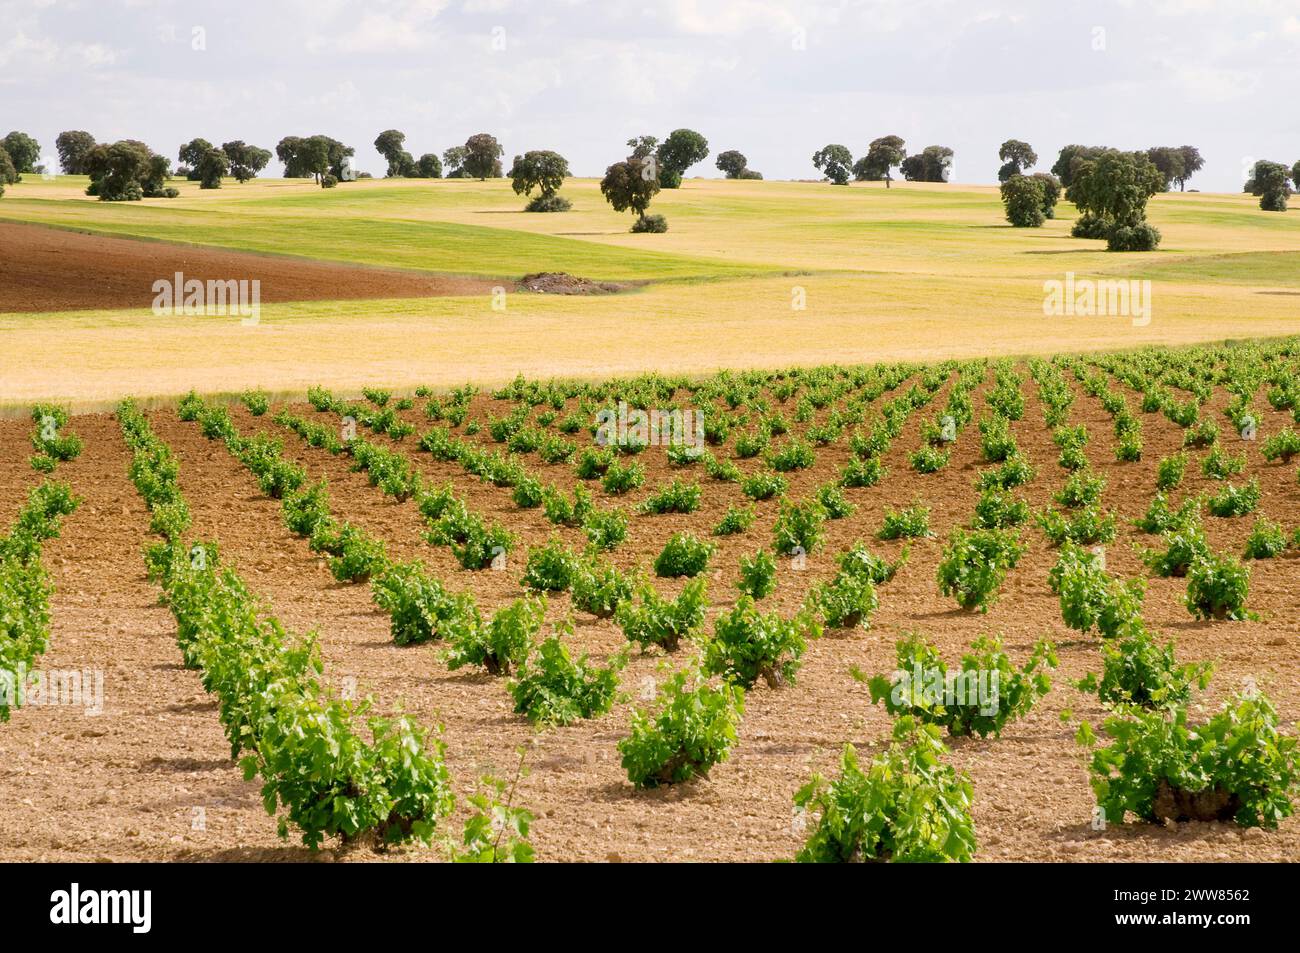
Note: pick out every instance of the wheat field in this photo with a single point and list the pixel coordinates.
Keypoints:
(750, 274)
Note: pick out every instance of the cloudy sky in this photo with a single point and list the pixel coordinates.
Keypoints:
(776, 79)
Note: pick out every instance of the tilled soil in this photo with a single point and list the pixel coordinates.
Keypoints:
(131, 782)
(54, 269)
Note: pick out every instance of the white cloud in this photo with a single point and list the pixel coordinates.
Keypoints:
(373, 33)
(21, 48)
(580, 76)
(1208, 85)
(92, 55)
(341, 94)
(643, 77)
(730, 17)
(388, 26)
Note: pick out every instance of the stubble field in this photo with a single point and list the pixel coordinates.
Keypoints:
(915, 272)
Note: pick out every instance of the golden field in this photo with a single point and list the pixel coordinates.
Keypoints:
(916, 272)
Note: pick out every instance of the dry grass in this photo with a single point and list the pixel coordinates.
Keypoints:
(918, 272)
(91, 359)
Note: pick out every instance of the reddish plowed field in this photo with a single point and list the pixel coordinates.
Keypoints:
(53, 269)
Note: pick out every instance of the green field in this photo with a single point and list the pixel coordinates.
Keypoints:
(913, 272)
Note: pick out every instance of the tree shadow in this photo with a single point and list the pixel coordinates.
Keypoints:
(1061, 251)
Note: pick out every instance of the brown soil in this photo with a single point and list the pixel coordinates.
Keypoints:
(53, 269)
(129, 783)
(561, 283)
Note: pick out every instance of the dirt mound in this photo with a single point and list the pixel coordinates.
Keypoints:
(51, 269)
(560, 283)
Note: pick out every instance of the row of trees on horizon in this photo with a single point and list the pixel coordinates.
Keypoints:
(129, 170)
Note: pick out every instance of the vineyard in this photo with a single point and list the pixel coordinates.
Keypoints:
(992, 609)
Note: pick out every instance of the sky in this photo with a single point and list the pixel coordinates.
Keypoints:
(775, 79)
